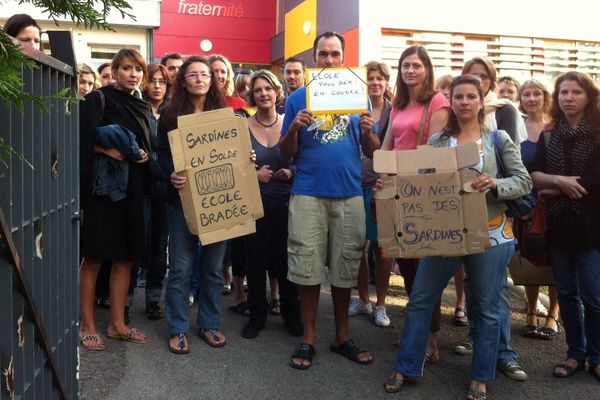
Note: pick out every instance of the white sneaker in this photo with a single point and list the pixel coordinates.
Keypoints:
(381, 318)
(358, 307)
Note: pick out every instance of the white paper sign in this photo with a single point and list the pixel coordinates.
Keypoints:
(337, 90)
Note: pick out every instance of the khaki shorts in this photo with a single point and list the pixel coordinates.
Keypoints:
(325, 231)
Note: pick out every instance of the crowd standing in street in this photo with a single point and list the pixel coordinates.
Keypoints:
(316, 179)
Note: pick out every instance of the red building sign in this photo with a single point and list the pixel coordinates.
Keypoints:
(240, 30)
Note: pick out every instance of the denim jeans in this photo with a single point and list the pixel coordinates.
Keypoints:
(486, 275)
(159, 236)
(577, 276)
(182, 247)
(506, 353)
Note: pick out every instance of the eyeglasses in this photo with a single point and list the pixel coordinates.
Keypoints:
(160, 82)
(205, 76)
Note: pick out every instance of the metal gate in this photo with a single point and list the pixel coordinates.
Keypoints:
(39, 302)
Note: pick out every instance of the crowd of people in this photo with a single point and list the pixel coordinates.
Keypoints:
(317, 192)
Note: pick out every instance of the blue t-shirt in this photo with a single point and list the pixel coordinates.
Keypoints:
(328, 159)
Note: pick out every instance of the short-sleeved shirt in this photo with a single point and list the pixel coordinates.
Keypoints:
(328, 159)
(406, 122)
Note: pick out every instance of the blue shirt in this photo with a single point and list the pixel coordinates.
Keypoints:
(328, 159)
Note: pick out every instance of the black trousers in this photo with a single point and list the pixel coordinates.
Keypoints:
(266, 251)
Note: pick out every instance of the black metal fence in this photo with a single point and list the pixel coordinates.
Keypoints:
(41, 205)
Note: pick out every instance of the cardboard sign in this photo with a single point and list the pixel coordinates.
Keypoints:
(427, 208)
(221, 199)
(337, 90)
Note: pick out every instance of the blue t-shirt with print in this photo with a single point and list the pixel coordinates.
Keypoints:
(328, 159)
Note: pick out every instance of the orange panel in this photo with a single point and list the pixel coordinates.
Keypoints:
(351, 51)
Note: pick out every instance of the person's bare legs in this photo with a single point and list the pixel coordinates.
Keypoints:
(119, 285)
(553, 310)
(88, 273)
(238, 290)
(363, 277)
(459, 277)
(341, 301)
(309, 303)
(531, 294)
(274, 288)
(382, 275)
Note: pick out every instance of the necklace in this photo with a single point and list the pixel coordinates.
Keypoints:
(267, 125)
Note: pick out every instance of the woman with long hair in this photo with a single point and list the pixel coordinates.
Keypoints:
(416, 96)
(486, 272)
(378, 78)
(113, 222)
(25, 31)
(266, 250)
(499, 114)
(566, 172)
(159, 85)
(534, 102)
(225, 80)
(195, 91)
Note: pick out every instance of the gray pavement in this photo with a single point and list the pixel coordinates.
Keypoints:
(258, 368)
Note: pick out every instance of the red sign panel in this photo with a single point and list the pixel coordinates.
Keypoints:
(240, 30)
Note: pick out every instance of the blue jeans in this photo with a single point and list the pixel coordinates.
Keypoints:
(577, 276)
(182, 247)
(486, 276)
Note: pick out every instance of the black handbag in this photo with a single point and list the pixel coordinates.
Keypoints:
(517, 207)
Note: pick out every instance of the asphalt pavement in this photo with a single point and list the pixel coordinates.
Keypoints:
(258, 368)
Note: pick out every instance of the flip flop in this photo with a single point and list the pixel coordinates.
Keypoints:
(213, 337)
(94, 342)
(568, 369)
(349, 350)
(182, 344)
(305, 352)
(393, 384)
(132, 335)
(242, 308)
(275, 307)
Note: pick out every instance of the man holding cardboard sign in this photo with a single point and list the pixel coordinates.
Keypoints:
(325, 206)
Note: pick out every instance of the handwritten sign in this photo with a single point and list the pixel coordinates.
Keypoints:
(222, 198)
(424, 209)
(337, 90)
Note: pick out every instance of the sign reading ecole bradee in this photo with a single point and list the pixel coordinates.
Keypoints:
(221, 199)
(337, 90)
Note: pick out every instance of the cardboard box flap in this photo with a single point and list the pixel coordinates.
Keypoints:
(426, 159)
(185, 121)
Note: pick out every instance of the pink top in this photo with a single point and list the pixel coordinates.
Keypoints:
(406, 122)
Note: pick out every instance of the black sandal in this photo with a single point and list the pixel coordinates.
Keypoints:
(242, 308)
(546, 333)
(305, 352)
(349, 350)
(460, 317)
(569, 371)
(531, 331)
